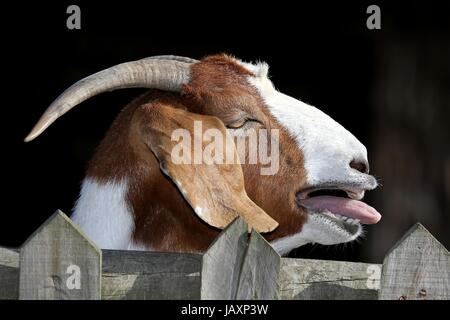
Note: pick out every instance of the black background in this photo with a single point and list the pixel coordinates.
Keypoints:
(321, 53)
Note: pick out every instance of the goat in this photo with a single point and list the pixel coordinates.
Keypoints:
(134, 197)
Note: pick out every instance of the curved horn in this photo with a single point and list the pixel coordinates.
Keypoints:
(160, 72)
(175, 58)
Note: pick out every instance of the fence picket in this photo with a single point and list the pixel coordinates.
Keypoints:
(59, 262)
(260, 271)
(417, 267)
(222, 262)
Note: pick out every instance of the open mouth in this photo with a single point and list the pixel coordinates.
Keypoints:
(338, 207)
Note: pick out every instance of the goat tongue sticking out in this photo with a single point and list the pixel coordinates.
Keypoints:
(343, 206)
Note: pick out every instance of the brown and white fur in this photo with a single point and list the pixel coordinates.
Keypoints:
(128, 202)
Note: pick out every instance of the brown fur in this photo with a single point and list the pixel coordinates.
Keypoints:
(164, 220)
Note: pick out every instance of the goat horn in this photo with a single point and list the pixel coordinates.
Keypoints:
(175, 58)
(160, 72)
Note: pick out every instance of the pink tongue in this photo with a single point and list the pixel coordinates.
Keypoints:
(345, 207)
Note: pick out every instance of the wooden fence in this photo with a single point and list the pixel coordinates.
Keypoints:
(59, 262)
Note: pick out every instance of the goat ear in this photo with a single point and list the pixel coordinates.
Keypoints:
(215, 191)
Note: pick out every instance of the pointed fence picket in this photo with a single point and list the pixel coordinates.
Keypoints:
(416, 268)
(59, 262)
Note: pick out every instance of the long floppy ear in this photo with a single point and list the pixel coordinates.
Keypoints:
(215, 191)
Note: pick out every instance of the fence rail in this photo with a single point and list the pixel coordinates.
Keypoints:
(59, 262)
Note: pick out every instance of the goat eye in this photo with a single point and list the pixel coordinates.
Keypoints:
(242, 123)
(237, 124)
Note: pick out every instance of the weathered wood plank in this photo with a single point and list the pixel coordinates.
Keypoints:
(9, 274)
(222, 262)
(417, 267)
(260, 271)
(322, 279)
(59, 262)
(150, 275)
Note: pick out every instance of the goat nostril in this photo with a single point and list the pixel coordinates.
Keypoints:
(361, 166)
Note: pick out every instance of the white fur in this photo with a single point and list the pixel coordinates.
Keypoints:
(317, 229)
(328, 149)
(199, 210)
(286, 244)
(103, 214)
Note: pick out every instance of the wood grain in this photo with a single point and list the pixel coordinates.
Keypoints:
(150, 275)
(416, 268)
(260, 271)
(59, 262)
(305, 279)
(9, 274)
(222, 262)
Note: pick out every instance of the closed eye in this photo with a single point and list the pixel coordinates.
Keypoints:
(243, 123)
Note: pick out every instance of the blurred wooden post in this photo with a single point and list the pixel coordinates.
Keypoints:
(260, 271)
(9, 274)
(416, 268)
(222, 262)
(59, 262)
